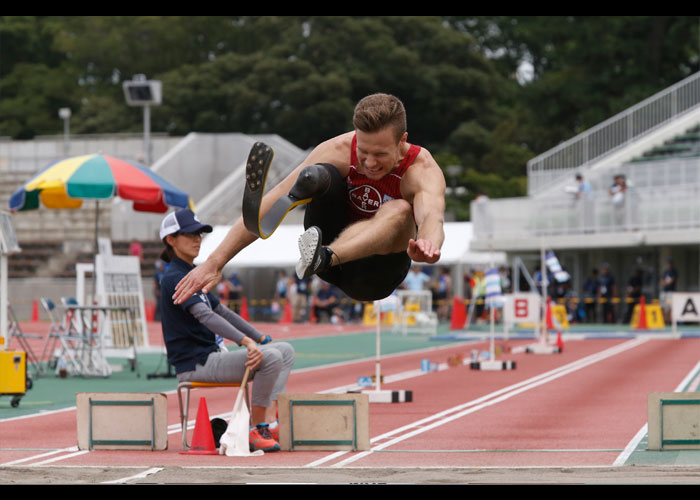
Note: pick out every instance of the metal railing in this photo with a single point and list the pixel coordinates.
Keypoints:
(664, 195)
(580, 151)
(30, 156)
(223, 204)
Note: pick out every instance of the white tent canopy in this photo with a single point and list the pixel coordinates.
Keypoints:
(281, 251)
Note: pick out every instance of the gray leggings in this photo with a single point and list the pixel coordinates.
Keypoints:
(229, 367)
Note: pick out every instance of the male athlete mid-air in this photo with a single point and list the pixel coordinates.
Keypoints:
(374, 203)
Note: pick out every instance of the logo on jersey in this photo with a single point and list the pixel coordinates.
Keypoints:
(365, 198)
(203, 298)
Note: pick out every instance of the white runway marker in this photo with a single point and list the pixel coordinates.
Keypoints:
(459, 411)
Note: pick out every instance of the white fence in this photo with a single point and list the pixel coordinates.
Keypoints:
(665, 195)
(622, 129)
(30, 156)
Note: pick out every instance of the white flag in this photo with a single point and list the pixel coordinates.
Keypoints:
(553, 264)
(493, 285)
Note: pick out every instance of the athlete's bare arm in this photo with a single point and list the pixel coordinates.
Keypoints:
(423, 186)
(206, 275)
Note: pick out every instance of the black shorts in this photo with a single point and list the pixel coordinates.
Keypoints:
(366, 279)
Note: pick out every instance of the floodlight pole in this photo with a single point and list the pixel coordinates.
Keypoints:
(145, 93)
(147, 133)
(65, 114)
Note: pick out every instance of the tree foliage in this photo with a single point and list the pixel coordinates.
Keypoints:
(300, 76)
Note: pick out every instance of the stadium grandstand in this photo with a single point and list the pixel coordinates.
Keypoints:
(653, 149)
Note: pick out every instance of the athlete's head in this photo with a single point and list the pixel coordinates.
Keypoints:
(379, 111)
(380, 127)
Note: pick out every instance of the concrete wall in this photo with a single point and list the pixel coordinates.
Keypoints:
(210, 168)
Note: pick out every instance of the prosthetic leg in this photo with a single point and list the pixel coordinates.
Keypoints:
(312, 180)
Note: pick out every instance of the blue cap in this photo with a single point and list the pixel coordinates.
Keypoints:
(182, 221)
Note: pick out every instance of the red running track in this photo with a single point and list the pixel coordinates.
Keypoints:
(581, 407)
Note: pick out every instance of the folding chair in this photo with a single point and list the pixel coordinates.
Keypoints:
(15, 330)
(184, 407)
(61, 332)
(90, 344)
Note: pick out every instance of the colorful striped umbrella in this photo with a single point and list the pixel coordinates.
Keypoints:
(66, 183)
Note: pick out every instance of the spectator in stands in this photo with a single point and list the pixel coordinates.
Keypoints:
(136, 249)
(537, 278)
(442, 292)
(590, 297)
(560, 289)
(668, 285)
(222, 291)
(235, 292)
(467, 284)
(415, 279)
(478, 294)
(281, 293)
(506, 279)
(584, 198)
(634, 292)
(607, 291)
(621, 196)
(326, 303)
(574, 308)
(281, 286)
(300, 301)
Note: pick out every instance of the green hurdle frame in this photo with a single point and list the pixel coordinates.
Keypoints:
(135, 442)
(350, 442)
(674, 402)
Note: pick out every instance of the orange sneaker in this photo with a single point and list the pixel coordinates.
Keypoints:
(261, 439)
(275, 432)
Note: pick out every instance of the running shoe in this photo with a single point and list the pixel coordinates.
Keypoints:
(314, 257)
(275, 432)
(261, 439)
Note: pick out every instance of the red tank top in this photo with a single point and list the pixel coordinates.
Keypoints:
(365, 195)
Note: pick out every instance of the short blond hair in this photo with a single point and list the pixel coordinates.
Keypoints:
(378, 111)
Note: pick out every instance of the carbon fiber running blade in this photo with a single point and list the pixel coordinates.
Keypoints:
(278, 212)
(256, 170)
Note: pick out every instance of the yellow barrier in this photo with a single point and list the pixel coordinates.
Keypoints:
(559, 315)
(370, 318)
(654, 317)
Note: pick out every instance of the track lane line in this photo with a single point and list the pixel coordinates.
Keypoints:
(141, 475)
(495, 397)
(42, 455)
(690, 384)
(175, 428)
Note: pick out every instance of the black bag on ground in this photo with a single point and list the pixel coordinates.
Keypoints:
(218, 427)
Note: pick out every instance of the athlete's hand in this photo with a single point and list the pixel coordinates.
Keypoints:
(423, 251)
(255, 355)
(203, 277)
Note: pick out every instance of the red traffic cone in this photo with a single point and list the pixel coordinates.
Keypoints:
(312, 311)
(642, 323)
(35, 310)
(203, 439)
(550, 320)
(287, 313)
(150, 309)
(560, 342)
(459, 314)
(245, 314)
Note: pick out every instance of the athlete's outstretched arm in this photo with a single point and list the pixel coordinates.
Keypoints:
(205, 276)
(426, 186)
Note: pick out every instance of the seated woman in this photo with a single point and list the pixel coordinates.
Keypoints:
(191, 331)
